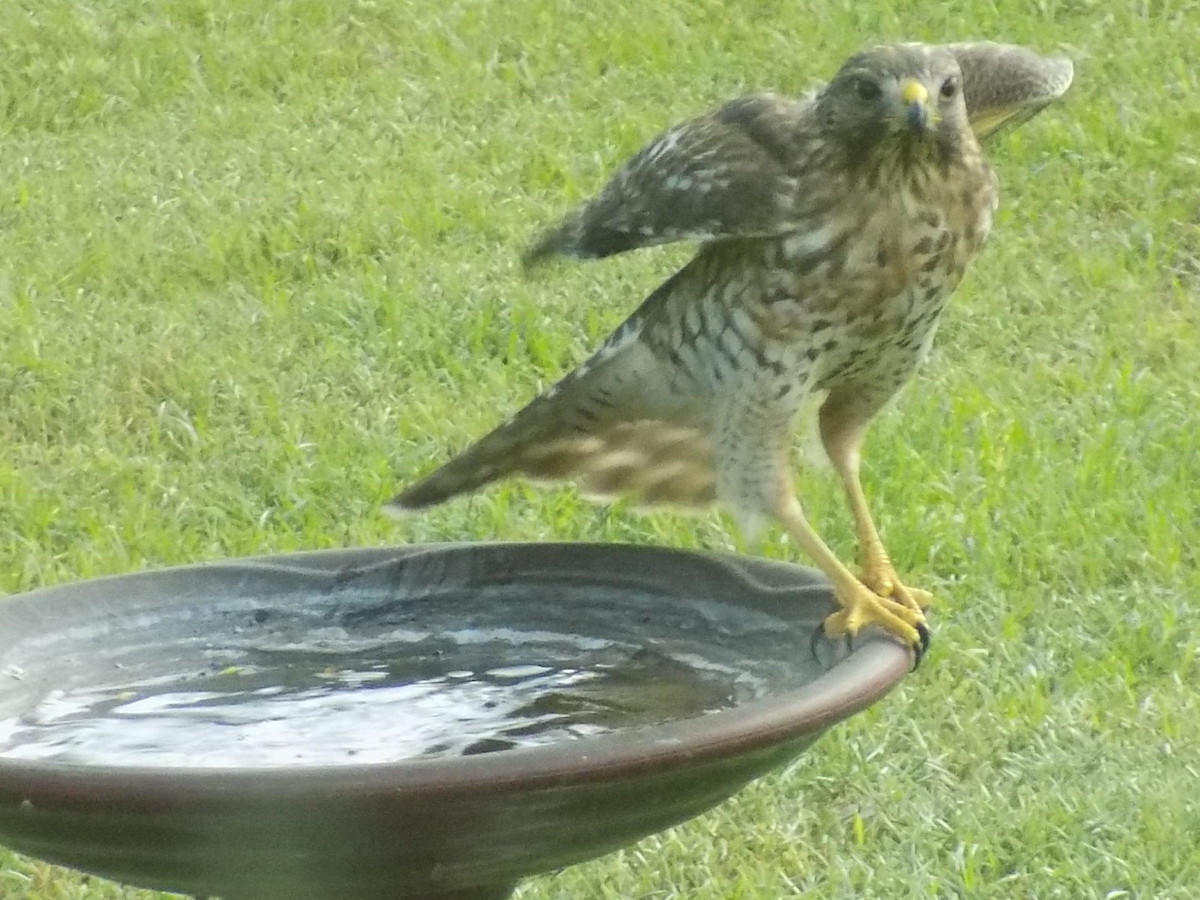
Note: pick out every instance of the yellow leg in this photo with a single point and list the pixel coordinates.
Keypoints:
(844, 420)
(860, 606)
(878, 572)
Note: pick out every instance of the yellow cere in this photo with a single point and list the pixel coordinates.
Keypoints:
(912, 91)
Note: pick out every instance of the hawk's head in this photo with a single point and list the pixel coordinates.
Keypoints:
(897, 101)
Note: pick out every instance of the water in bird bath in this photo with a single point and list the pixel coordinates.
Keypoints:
(342, 697)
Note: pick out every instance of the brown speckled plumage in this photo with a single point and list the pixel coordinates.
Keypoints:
(832, 229)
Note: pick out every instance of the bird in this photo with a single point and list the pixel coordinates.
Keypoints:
(831, 228)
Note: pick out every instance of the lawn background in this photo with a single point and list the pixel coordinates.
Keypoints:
(259, 267)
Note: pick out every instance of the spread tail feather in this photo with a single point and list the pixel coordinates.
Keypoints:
(649, 461)
(598, 427)
(489, 459)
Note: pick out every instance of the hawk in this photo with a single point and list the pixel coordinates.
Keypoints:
(832, 228)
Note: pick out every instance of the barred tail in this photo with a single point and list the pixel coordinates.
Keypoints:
(499, 454)
(600, 426)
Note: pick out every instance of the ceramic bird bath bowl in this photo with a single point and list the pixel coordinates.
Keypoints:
(432, 721)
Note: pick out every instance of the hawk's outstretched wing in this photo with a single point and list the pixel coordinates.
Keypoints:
(730, 173)
(1005, 85)
(736, 172)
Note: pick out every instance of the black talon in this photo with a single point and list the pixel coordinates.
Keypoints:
(923, 639)
(815, 641)
(819, 635)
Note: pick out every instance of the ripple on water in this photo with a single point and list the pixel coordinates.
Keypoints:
(281, 706)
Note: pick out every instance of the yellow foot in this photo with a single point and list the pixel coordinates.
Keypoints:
(862, 607)
(882, 579)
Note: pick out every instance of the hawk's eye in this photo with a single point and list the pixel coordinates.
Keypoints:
(867, 89)
(949, 88)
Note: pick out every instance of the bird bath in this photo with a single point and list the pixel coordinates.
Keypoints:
(432, 721)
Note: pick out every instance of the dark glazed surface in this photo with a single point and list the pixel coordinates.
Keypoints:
(467, 826)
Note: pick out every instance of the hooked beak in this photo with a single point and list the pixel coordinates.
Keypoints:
(916, 101)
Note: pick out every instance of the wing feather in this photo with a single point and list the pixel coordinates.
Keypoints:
(732, 173)
(1005, 85)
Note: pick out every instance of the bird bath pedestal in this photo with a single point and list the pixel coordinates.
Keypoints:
(426, 722)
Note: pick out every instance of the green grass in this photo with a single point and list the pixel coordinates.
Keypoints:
(259, 268)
